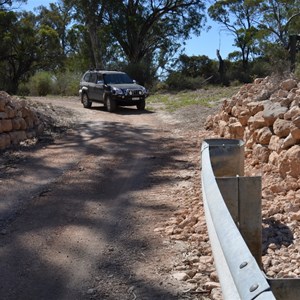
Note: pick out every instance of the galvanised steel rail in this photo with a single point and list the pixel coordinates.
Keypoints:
(232, 206)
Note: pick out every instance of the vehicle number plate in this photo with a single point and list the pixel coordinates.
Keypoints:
(135, 98)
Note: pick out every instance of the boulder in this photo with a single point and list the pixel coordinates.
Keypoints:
(289, 162)
(257, 121)
(273, 111)
(264, 136)
(282, 127)
(236, 130)
(288, 84)
(261, 153)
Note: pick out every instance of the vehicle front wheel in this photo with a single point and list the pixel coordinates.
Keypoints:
(141, 105)
(87, 103)
(110, 104)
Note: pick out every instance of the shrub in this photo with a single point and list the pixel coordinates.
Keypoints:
(178, 81)
(66, 83)
(40, 84)
(23, 89)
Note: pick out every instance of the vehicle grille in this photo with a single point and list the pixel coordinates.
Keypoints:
(134, 92)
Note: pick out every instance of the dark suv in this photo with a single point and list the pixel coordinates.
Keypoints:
(111, 88)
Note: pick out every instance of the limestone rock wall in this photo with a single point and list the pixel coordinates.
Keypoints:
(266, 115)
(17, 121)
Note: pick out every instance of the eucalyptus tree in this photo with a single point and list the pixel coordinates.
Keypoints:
(6, 4)
(280, 19)
(25, 47)
(58, 17)
(141, 31)
(240, 18)
(279, 31)
(152, 31)
(90, 14)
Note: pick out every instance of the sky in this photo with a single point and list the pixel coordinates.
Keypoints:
(206, 44)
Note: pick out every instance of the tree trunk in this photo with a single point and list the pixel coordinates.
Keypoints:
(293, 50)
(221, 67)
(96, 47)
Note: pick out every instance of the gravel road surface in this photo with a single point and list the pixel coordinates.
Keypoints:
(78, 210)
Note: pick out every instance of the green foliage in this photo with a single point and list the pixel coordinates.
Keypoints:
(197, 66)
(45, 83)
(66, 84)
(40, 84)
(25, 48)
(140, 37)
(297, 69)
(153, 29)
(23, 89)
(240, 19)
(142, 72)
(278, 58)
(178, 81)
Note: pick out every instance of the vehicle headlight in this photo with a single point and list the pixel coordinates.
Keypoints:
(144, 91)
(117, 91)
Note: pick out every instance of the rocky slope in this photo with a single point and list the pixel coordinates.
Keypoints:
(266, 115)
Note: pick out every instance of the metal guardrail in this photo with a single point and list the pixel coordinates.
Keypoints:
(232, 206)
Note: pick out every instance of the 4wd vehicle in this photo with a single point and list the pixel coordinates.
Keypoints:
(111, 88)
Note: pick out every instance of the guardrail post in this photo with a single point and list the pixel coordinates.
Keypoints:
(239, 274)
(250, 218)
(232, 206)
(242, 196)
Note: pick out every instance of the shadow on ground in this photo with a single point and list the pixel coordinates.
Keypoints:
(88, 233)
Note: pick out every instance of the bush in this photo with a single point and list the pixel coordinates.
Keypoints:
(44, 83)
(178, 81)
(40, 84)
(297, 69)
(66, 84)
(23, 89)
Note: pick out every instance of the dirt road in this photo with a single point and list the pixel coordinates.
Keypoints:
(78, 214)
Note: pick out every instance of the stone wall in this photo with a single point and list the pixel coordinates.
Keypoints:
(17, 121)
(266, 115)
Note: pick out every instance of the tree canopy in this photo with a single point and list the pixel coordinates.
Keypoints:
(143, 37)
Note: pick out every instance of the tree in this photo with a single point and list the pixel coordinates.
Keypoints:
(197, 66)
(4, 4)
(280, 19)
(90, 13)
(149, 31)
(58, 17)
(279, 29)
(240, 18)
(25, 48)
(139, 31)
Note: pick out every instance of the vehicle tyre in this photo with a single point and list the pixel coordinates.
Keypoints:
(141, 105)
(110, 104)
(87, 103)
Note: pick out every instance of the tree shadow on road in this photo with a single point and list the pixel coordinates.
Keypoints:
(90, 235)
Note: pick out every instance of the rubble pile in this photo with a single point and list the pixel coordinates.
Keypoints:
(266, 116)
(17, 121)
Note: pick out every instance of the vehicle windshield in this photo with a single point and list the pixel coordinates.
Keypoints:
(117, 78)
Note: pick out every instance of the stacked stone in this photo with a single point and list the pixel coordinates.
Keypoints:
(266, 115)
(17, 122)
